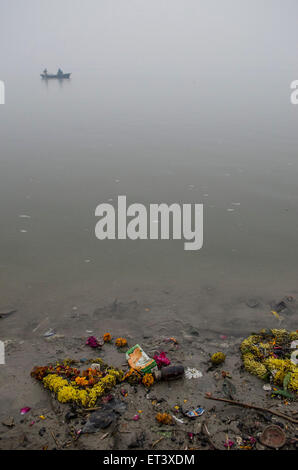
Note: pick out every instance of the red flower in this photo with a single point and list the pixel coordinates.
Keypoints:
(161, 360)
(92, 342)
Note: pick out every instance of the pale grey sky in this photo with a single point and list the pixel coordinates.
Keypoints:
(156, 37)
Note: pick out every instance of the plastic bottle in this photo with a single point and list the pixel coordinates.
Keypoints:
(169, 373)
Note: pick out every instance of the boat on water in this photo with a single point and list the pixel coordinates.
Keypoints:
(59, 75)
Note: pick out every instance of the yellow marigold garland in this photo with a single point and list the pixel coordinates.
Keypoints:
(258, 357)
(72, 391)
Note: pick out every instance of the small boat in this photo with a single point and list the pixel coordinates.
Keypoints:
(60, 75)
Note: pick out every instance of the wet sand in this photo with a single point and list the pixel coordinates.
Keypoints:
(201, 324)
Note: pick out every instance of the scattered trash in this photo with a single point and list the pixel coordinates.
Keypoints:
(180, 421)
(283, 305)
(169, 373)
(194, 413)
(42, 431)
(192, 373)
(95, 408)
(103, 418)
(218, 358)
(70, 415)
(25, 410)
(95, 366)
(267, 387)
(276, 315)
(273, 436)
(171, 340)
(49, 333)
(138, 360)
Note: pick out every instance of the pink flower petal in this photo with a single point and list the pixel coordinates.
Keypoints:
(25, 410)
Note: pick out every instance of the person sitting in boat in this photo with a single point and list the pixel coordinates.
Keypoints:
(45, 71)
(60, 73)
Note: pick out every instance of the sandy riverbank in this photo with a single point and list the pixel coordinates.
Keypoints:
(147, 324)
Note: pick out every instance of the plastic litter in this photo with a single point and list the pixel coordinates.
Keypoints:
(169, 373)
(194, 413)
(49, 333)
(192, 373)
(283, 306)
(267, 387)
(139, 360)
(103, 418)
(180, 421)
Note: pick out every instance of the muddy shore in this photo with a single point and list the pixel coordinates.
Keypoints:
(200, 331)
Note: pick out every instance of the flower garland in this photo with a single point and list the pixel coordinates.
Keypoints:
(71, 386)
(268, 354)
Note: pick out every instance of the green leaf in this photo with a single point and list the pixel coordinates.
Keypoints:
(283, 393)
(287, 380)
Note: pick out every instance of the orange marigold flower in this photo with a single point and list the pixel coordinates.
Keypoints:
(107, 337)
(81, 381)
(121, 342)
(164, 418)
(148, 380)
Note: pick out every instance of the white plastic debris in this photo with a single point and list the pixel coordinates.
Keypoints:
(50, 332)
(267, 387)
(178, 420)
(193, 373)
